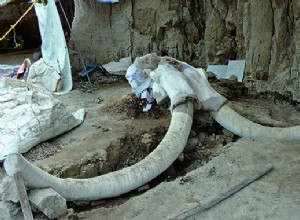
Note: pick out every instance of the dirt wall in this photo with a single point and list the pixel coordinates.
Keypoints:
(264, 33)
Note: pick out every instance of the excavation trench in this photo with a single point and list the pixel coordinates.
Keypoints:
(206, 140)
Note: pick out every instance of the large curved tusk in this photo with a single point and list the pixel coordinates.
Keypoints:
(241, 126)
(115, 183)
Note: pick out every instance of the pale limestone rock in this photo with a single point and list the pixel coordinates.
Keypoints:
(49, 202)
(8, 190)
(146, 139)
(44, 75)
(10, 211)
(191, 144)
(9, 82)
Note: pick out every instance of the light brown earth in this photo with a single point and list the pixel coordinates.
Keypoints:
(212, 168)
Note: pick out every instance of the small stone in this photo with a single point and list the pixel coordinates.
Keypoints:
(181, 157)
(72, 215)
(191, 144)
(212, 137)
(185, 179)
(10, 210)
(211, 75)
(214, 154)
(82, 203)
(132, 161)
(98, 203)
(192, 134)
(143, 188)
(220, 52)
(233, 78)
(105, 129)
(98, 100)
(201, 137)
(146, 139)
(228, 133)
(96, 126)
(212, 171)
(218, 137)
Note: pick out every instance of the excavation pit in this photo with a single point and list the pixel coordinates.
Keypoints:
(110, 139)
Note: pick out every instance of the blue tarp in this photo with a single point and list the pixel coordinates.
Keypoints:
(93, 67)
(107, 1)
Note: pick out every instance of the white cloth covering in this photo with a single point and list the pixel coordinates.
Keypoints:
(54, 48)
(168, 77)
(29, 117)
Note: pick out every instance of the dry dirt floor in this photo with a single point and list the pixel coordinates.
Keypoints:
(116, 134)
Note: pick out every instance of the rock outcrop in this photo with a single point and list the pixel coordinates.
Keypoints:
(264, 33)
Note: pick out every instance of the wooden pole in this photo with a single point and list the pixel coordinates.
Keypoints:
(222, 196)
(26, 209)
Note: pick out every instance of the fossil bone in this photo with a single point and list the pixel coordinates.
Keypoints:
(115, 183)
(211, 100)
(127, 179)
(243, 127)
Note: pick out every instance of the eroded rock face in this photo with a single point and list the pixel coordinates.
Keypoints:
(264, 33)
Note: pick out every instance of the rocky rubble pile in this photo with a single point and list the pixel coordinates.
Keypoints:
(45, 203)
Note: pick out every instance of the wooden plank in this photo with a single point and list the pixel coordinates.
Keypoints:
(26, 209)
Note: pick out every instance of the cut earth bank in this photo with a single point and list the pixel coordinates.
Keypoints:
(98, 146)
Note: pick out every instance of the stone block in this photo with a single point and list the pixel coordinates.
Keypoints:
(49, 202)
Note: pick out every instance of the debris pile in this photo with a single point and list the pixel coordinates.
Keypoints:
(45, 203)
(132, 107)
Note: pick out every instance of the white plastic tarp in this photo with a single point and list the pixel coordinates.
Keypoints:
(29, 117)
(234, 67)
(150, 72)
(219, 70)
(54, 48)
(118, 68)
(108, 1)
(4, 2)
